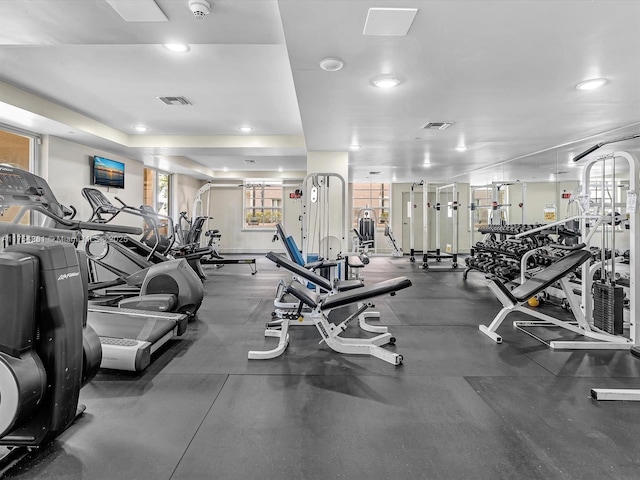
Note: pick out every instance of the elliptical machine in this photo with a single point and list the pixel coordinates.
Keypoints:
(47, 350)
(165, 284)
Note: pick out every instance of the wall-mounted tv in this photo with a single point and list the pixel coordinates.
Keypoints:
(108, 173)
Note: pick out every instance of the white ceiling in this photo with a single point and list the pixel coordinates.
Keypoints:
(503, 72)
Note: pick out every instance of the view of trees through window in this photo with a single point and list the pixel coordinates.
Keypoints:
(262, 204)
(157, 186)
(15, 150)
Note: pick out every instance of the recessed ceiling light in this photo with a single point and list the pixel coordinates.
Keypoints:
(141, 128)
(426, 165)
(591, 84)
(461, 148)
(245, 128)
(177, 47)
(225, 169)
(385, 81)
(280, 169)
(331, 64)
(394, 179)
(354, 146)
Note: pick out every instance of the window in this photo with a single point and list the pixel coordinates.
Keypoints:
(262, 204)
(157, 186)
(156, 193)
(374, 196)
(18, 150)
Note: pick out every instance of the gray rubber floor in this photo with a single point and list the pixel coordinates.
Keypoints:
(460, 407)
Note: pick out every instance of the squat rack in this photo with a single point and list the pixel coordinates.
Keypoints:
(437, 253)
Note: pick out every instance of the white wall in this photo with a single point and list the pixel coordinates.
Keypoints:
(226, 208)
(183, 191)
(68, 170)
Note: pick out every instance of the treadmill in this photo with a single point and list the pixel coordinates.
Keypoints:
(128, 337)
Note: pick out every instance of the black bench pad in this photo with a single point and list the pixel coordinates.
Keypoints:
(346, 298)
(549, 275)
(354, 262)
(302, 293)
(344, 285)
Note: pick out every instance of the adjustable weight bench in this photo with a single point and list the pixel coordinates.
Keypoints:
(515, 300)
(321, 306)
(285, 308)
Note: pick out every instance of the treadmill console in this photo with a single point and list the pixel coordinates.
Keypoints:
(19, 187)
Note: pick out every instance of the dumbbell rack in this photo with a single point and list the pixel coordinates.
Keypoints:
(498, 254)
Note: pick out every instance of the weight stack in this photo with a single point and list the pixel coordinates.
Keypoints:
(607, 308)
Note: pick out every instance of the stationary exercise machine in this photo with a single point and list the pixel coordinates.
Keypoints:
(128, 337)
(598, 312)
(47, 351)
(164, 284)
(324, 216)
(365, 234)
(214, 236)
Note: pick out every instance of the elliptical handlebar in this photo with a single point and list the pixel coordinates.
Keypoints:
(8, 228)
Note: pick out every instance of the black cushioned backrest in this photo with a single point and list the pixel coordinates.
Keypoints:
(550, 275)
(359, 294)
(300, 271)
(303, 294)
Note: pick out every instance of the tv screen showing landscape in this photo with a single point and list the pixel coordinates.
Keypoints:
(108, 173)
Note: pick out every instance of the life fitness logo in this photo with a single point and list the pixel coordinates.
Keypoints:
(64, 276)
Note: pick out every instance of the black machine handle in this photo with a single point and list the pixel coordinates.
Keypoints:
(579, 246)
(109, 228)
(7, 228)
(601, 144)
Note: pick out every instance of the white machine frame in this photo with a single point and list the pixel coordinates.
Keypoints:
(316, 202)
(455, 204)
(583, 309)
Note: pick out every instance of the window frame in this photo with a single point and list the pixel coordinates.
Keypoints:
(381, 195)
(154, 194)
(251, 183)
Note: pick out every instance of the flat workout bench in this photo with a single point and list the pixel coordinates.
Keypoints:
(514, 300)
(321, 307)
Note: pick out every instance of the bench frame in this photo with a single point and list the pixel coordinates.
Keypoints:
(602, 340)
(329, 331)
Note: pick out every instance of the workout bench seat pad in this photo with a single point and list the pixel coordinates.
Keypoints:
(549, 275)
(347, 298)
(354, 262)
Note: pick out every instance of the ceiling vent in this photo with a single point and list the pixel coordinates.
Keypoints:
(375, 173)
(250, 161)
(174, 100)
(389, 21)
(436, 125)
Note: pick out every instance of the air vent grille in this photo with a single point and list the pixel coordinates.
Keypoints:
(436, 125)
(250, 161)
(174, 100)
(375, 173)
